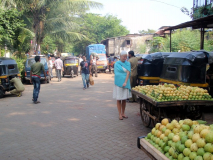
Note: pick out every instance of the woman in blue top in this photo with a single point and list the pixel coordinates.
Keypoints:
(121, 91)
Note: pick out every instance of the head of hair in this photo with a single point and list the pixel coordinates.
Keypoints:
(37, 58)
(131, 53)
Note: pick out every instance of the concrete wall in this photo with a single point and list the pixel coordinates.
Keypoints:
(130, 42)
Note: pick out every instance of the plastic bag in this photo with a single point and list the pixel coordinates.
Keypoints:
(91, 81)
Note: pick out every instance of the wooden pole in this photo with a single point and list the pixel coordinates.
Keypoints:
(170, 40)
(202, 32)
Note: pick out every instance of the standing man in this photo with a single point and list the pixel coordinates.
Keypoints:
(133, 78)
(50, 65)
(35, 73)
(85, 71)
(94, 66)
(59, 67)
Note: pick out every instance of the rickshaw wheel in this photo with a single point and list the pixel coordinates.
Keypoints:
(1, 93)
(144, 117)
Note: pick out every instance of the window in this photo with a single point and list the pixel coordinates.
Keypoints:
(11, 66)
(128, 42)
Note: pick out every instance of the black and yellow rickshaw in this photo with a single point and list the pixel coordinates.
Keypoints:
(189, 68)
(70, 66)
(149, 70)
(8, 69)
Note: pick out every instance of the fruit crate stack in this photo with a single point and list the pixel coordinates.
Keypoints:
(180, 140)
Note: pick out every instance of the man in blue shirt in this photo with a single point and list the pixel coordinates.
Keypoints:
(85, 71)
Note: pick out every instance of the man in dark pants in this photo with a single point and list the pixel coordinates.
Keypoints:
(133, 78)
(35, 73)
(94, 66)
(59, 68)
(85, 72)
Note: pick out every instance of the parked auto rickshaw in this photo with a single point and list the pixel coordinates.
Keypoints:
(150, 67)
(189, 68)
(70, 66)
(8, 69)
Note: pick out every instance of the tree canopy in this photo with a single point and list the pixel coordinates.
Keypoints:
(97, 28)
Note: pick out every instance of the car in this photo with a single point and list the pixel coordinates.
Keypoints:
(29, 62)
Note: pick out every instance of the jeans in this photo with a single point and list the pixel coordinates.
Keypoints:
(85, 77)
(58, 72)
(36, 83)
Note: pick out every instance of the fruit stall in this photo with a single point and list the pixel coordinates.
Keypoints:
(179, 140)
(168, 101)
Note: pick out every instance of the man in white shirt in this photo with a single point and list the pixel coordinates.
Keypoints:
(59, 67)
(50, 65)
(94, 66)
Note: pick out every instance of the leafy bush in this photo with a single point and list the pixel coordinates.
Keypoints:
(20, 63)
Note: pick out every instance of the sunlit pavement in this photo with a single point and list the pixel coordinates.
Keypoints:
(69, 123)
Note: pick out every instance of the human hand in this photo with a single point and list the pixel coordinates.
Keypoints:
(124, 84)
(30, 80)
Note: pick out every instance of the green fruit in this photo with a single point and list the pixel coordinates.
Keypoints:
(186, 158)
(186, 152)
(165, 139)
(209, 137)
(184, 139)
(180, 156)
(169, 143)
(185, 127)
(171, 158)
(192, 155)
(167, 155)
(181, 148)
(166, 149)
(207, 156)
(208, 147)
(200, 152)
(170, 136)
(177, 144)
(149, 136)
(198, 158)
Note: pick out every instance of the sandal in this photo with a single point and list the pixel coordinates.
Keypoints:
(125, 117)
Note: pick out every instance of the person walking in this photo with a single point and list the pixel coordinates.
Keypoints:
(59, 68)
(121, 90)
(85, 71)
(50, 66)
(35, 73)
(134, 73)
(94, 66)
(19, 87)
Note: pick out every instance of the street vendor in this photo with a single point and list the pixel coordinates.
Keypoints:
(121, 91)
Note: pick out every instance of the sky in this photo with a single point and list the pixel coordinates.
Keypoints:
(146, 14)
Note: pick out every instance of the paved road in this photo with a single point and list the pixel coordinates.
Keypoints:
(70, 123)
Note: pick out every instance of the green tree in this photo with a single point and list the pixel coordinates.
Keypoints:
(10, 24)
(148, 31)
(48, 17)
(97, 28)
(183, 40)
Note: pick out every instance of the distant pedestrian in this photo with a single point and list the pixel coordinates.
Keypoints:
(19, 87)
(35, 73)
(59, 68)
(121, 91)
(50, 66)
(85, 72)
(80, 60)
(94, 66)
(134, 73)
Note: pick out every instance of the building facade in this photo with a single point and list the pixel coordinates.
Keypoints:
(135, 42)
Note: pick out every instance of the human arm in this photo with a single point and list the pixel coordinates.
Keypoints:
(44, 72)
(139, 58)
(31, 76)
(126, 79)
